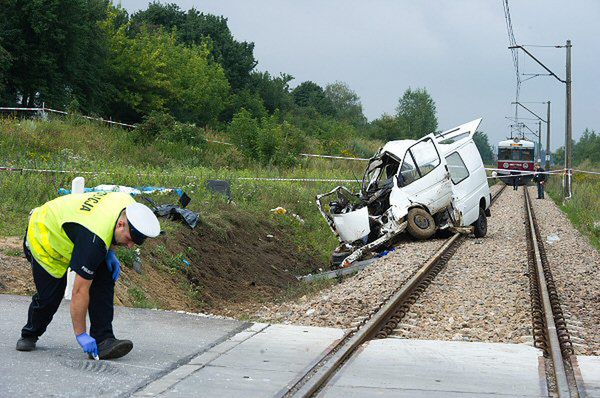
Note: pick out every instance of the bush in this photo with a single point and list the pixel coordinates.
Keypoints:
(269, 142)
(186, 133)
(153, 126)
(243, 131)
(160, 125)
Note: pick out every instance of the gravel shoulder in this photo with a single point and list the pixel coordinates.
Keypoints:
(348, 303)
(575, 265)
(483, 293)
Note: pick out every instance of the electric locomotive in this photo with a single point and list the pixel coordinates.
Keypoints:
(515, 156)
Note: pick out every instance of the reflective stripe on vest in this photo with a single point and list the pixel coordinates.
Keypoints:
(96, 211)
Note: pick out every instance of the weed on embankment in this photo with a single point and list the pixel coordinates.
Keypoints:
(583, 209)
(112, 156)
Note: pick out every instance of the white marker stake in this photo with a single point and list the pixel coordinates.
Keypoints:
(77, 186)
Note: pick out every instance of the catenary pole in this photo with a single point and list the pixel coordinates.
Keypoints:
(540, 142)
(568, 128)
(548, 139)
(568, 121)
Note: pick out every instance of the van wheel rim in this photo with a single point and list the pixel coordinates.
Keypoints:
(422, 222)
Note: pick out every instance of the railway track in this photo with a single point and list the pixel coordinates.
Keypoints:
(380, 323)
(550, 329)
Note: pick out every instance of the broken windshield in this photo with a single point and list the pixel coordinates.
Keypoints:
(380, 173)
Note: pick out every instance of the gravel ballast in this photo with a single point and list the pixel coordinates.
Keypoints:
(347, 304)
(483, 293)
(575, 266)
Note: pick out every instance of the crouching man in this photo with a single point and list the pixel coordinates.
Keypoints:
(78, 231)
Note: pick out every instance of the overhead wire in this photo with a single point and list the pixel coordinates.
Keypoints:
(514, 51)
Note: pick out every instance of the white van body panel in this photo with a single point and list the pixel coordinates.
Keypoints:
(467, 194)
(415, 173)
(432, 191)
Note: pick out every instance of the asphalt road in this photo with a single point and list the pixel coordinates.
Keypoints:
(58, 367)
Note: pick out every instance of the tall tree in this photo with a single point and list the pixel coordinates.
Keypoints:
(154, 73)
(5, 61)
(274, 90)
(57, 54)
(386, 128)
(483, 145)
(196, 28)
(587, 148)
(346, 103)
(310, 94)
(416, 113)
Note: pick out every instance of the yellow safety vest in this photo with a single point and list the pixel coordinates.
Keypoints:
(96, 211)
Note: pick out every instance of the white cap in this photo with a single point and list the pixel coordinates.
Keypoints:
(142, 222)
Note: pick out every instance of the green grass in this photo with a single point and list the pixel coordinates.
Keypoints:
(114, 157)
(583, 209)
(139, 298)
(13, 252)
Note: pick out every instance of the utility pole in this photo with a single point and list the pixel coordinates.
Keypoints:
(568, 121)
(539, 142)
(548, 138)
(568, 129)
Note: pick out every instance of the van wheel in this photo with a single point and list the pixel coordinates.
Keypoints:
(481, 224)
(337, 258)
(420, 223)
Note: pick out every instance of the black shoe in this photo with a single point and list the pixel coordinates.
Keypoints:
(26, 343)
(112, 348)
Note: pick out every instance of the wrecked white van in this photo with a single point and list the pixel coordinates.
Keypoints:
(421, 186)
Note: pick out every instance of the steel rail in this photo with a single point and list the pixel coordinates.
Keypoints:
(321, 373)
(372, 326)
(553, 344)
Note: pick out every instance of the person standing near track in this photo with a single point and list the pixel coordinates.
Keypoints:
(78, 231)
(540, 178)
(516, 180)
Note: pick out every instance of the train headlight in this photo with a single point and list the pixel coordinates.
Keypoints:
(524, 165)
(505, 165)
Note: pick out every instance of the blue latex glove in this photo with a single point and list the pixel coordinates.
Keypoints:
(113, 264)
(88, 344)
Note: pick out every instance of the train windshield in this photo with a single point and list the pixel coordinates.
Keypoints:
(523, 154)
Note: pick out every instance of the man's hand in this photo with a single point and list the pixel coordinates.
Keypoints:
(113, 264)
(88, 344)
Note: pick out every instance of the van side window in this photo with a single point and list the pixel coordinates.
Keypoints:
(456, 167)
(408, 171)
(425, 156)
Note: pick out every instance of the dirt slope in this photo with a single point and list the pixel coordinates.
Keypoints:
(242, 262)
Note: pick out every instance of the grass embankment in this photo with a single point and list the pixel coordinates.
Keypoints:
(115, 157)
(583, 209)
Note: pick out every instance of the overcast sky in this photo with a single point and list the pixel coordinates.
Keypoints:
(456, 49)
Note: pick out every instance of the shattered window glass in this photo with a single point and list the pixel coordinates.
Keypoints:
(408, 171)
(426, 156)
(456, 167)
(381, 172)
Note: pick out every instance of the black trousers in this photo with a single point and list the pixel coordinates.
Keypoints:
(540, 189)
(50, 292)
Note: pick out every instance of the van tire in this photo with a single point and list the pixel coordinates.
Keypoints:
(420, 223)
(337, 258)
(480, 225)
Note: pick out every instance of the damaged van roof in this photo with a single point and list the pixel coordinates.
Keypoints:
(398, 147)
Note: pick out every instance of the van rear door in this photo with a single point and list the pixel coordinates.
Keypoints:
(469, 182)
